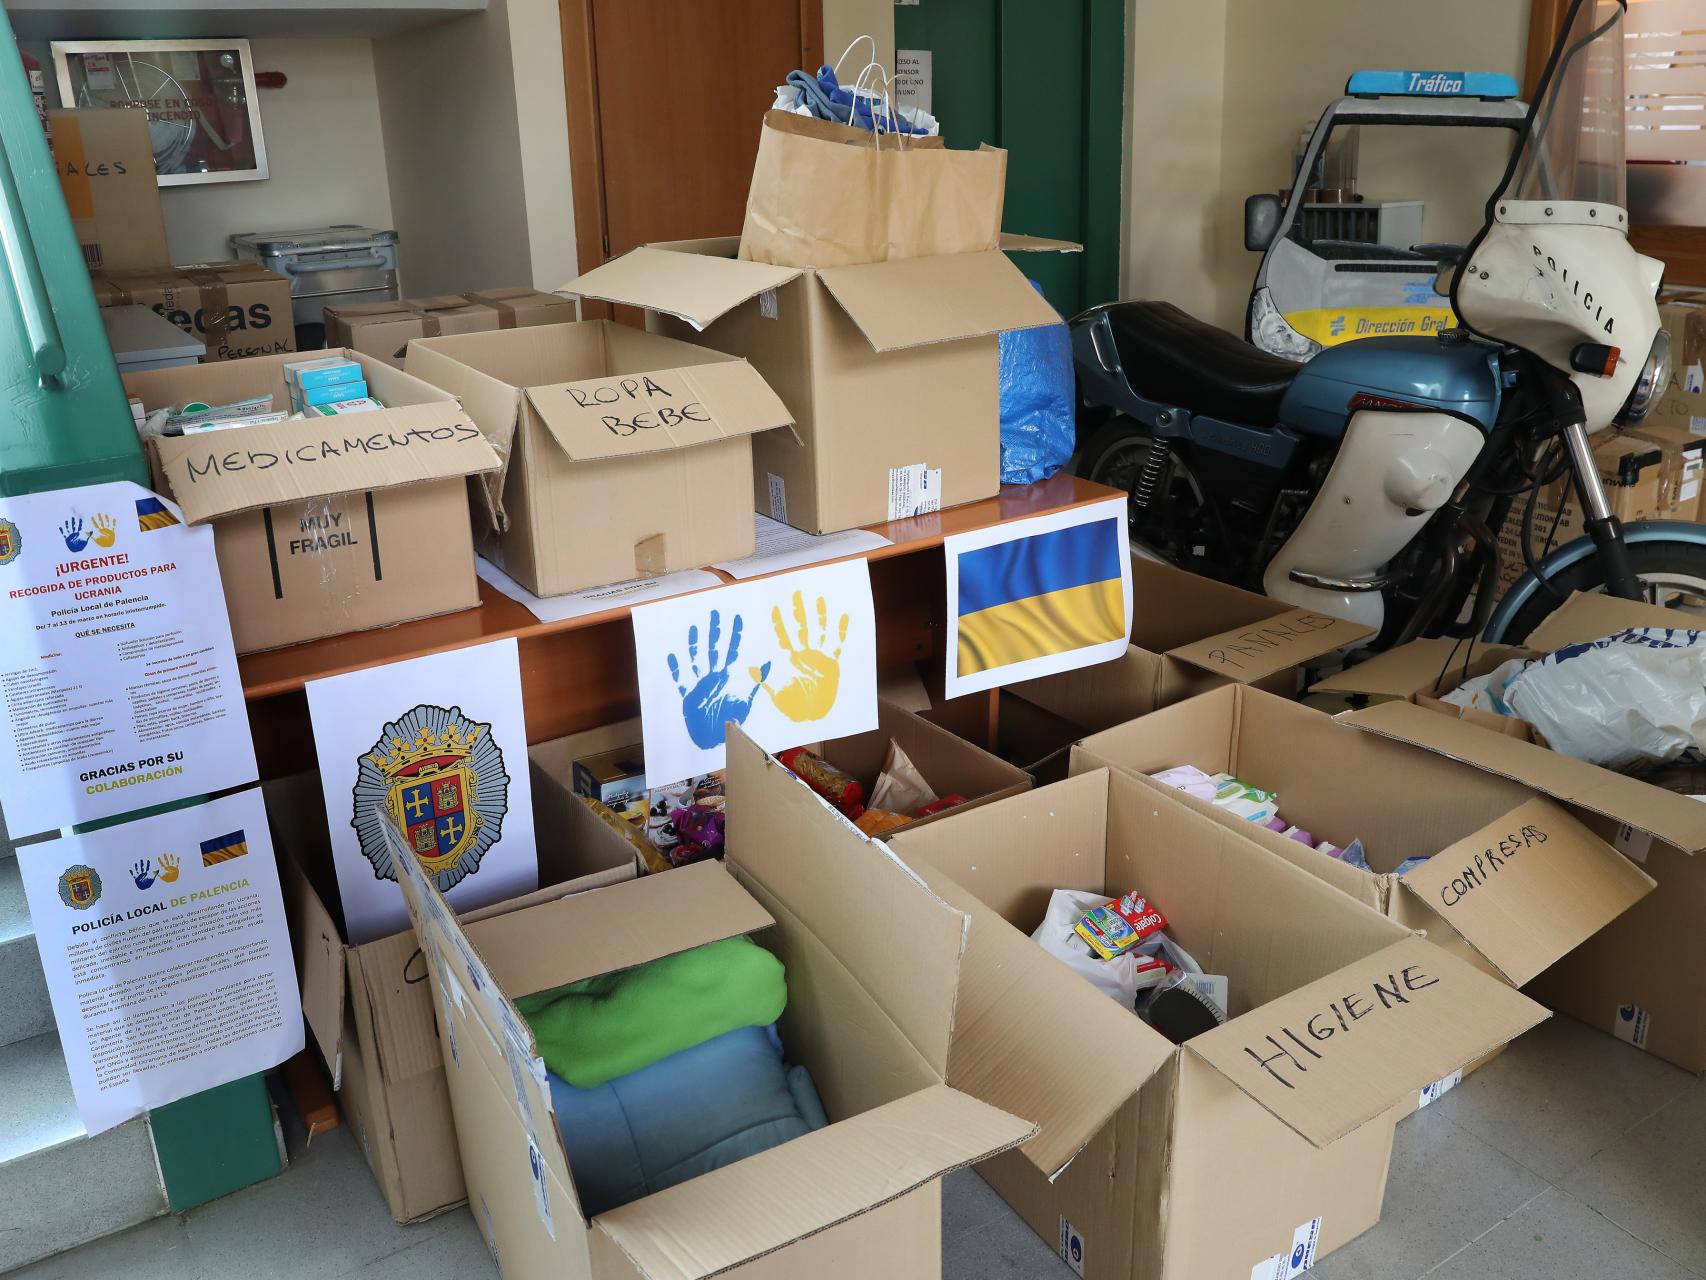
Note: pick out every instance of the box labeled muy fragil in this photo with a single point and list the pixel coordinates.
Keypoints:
(889, 368)
(368, 1010)
(327, 525)
(873, 963)
(1640, 977)
(627, 454)
(1211, 1158)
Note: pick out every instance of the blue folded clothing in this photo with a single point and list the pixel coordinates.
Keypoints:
(692, 1112)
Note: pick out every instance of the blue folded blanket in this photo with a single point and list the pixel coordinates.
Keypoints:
(687, 1114)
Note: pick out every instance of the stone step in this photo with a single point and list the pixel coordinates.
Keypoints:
(60, 1186)
(24, 1009)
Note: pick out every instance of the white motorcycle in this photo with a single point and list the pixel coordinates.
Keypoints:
(1371, 480)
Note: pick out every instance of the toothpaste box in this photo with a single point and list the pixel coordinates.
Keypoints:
(358, 404)
(329, 371)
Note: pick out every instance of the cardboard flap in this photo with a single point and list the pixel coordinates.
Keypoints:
(401, 1008)
(1528, 888)
(1590, 616)
(221, 473)
(615, 928)
(1673, 818)
(1417, 667)
(1018, 1005)
(319, 964)
(1284, 640)
(720, 1220)
(696, 287)
(624, 415)
(911, 302)
(900, 942)
(1013, 242)
(1334, 1054)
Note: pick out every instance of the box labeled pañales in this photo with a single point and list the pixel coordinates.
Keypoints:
(627, 454)
(872, 962)
(1210, 1158)
(327, 525)
(106, 170)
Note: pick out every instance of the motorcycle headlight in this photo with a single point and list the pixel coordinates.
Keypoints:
(1655, 377)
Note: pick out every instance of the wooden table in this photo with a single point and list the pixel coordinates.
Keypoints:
(579, 674)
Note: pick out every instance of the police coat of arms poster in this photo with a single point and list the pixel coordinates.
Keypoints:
(436, 746)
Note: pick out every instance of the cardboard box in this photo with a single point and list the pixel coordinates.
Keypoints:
(873, 963)
(1476, 896)
(525, 308)
(1682, 467)
(237, 309)
(105, 161)
(368, 1010)
(383, 330)
(1643, 977)
(889, 368)
(1220, 1157)
(1189, 634)
(367, 523)
(627, 454)
(949, 763)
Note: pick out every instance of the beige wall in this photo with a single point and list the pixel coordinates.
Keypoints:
(844, 20)
(1278, 65)
(477, 144)
(323, 150)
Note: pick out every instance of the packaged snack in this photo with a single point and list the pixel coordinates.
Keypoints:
(616, 778)
(841, 789)
(937, 806)
(699, 832)
(873, 822)
(650, 858)
(663, 802)
(1115, 927)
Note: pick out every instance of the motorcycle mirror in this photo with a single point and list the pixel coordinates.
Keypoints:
(1261, 221)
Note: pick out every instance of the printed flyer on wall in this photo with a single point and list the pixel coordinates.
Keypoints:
(117, 671)
(167, 958)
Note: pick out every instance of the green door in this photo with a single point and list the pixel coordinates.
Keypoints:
(1047, 82)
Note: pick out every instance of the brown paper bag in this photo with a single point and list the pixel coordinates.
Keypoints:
(828, 195)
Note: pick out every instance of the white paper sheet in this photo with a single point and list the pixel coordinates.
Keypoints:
(577, 604)
(1024, 589)
(166, 954)
(791, 659)
(780, 546)
(117, 671)
(440, 743)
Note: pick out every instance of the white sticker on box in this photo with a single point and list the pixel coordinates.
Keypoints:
(1631, 1025)
(914, 491)
(491, 1236)
(778, 498)
(1632, 843)
(1071, 1246)
(767, 304)
(1298, 1259)
(1696, 425)
(541, 1191)
(1694, 378)
(1439, 1088)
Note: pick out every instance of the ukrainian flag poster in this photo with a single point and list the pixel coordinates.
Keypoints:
(1029, 598)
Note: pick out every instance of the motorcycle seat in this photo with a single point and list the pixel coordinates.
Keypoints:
(1176, 359)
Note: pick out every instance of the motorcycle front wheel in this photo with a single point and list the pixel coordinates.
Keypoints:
(1673, 574)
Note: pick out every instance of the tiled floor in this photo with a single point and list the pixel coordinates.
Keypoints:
(1572, 1157)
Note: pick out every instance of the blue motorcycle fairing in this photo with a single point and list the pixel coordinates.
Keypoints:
(1575, 551)
(1460, 377)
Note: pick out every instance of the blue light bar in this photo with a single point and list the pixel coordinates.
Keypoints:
(1431, 84)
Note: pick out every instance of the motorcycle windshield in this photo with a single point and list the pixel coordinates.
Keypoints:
(1573, 149)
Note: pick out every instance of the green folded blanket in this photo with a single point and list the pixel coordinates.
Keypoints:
(593, 1031)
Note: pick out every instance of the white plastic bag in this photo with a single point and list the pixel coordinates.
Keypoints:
(1633, 698)
(1116, 978)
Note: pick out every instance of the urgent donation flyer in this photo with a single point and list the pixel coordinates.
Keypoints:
(117, 673)
(166, 954)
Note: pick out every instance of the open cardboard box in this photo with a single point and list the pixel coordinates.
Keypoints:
(1189, 634)
(368, 1009)
(1513, 882)
(873, 961)
(1643, 977)
(327, 525)
(628, 454)
(889, 368)
(1259, 1144)
(949, 763)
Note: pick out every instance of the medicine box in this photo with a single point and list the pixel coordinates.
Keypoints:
(361, 404)
(308, 397)
(330, 371)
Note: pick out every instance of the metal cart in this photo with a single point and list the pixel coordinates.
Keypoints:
(326, 266)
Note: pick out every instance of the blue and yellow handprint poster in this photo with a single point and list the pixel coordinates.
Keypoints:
(790, 658)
